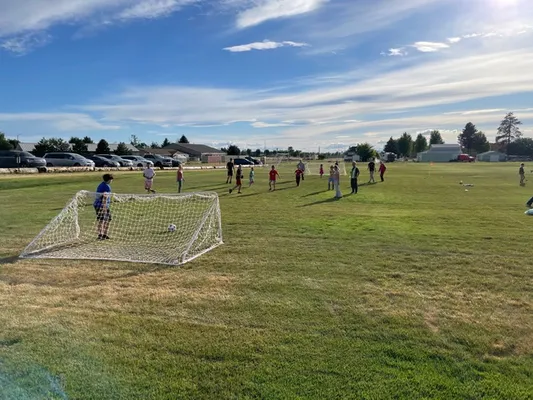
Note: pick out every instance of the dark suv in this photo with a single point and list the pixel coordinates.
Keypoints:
(20, 159)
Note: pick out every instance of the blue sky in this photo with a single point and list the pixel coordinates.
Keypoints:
(302, 73)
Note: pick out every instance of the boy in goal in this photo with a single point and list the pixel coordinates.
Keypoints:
(273, 174)
(102, 204)
(149, 174)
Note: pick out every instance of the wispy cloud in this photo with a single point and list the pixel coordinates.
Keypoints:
(60, 121)
(429, 47)
(264, 45)
(22, 45)
(395, 52)
(454, 40)
(264, 10)
(21, 23)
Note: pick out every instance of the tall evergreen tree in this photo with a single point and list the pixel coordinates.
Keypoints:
(421, 143)
(391, 146)
(508, 131)
(405, 145)
(467, 136)
(165, 143)
(4, 143)
(480, 143)
(103, 147)
(78, 145)
(435, 138)
(122, 150)
(183, 139)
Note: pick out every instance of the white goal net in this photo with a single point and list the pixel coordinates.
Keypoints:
(149, 228)
(313, 168)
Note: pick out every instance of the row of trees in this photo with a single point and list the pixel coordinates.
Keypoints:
(154, 145)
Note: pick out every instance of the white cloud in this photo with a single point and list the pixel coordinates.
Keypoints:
(454, 40)
(20, 21)
(429, 47)
(264, 45)
(267, 125)
(395, 52)
(264, 10)
(60, 121)
(22, 45)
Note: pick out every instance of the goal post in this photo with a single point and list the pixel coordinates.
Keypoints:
(146, 228)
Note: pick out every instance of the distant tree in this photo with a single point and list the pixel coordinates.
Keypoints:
(87, 140)
(233, 150)
(155, 145)
(183, 139)
(134, 140)
(257, 153)
(421, 144)
(435, 138)
(290, 150)
(508, 131)
(78, 145)
(267, 153)
(50, 145)
(122, 150)
(521, 147)
(405, 145)
(103, 147)
(480, 143)
(249, 152)
(466, 137)
(391, 146)
(225, 150)
(165, 143)
(4, 143)
(365, 151)
(14, 143)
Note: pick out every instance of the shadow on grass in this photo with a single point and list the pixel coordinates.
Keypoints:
(367, 184)
(9, 260)
(314, 193)
(330, 200)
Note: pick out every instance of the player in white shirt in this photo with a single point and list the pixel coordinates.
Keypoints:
(149, 174)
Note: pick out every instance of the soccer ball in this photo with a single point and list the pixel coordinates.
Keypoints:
(172, 228)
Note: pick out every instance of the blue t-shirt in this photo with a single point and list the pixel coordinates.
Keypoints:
(102, 188)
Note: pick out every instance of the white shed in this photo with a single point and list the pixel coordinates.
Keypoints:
(491, 156)
(440, 153)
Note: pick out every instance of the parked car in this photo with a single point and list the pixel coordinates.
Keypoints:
(254, 160)
(465, 158)
(242, 161)
(102, 161)
(139, 161)
(64, 159)
(159, 161)
(20, 159)
(122, 161)
(176, 163)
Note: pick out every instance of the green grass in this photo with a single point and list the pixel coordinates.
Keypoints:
(412, 289)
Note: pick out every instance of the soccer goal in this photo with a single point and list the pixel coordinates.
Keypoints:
(313, 168)
(148, 228)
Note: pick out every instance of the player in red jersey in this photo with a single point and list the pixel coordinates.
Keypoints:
(273, 174)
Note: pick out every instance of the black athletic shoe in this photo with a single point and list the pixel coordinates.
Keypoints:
(106, 237)
(100, 237)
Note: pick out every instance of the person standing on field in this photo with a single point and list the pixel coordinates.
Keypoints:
(252, 177)
(331, 179)
(149, 175)
(321, 171)
(102, 205)
(301, 167)
(354, 175)
(371, 169)
(230, 166)
(272, 176)
(337, 177)
(382, 169)
(179, 178)
(522, 174)
(299, 174)
(238, 180)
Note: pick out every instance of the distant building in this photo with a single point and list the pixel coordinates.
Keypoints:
(166, 153)
(491, 156)
(440, 153)
(198, 151)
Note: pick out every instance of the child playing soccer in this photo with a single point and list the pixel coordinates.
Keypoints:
(149, 174)
(238, 180)
(252, 177)
(179, 178)
(273, 174)
(102, 206)
(321, 172)
(331, 180)
(299, 174)
(522, 175)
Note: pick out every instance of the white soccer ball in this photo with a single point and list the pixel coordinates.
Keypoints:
(172, 228)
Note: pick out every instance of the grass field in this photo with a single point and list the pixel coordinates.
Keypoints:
(411, 289)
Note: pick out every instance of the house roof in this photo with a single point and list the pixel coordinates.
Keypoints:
(163, 152)
(194, 148)
(445, 147)
(26, 146)
(491, 152)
